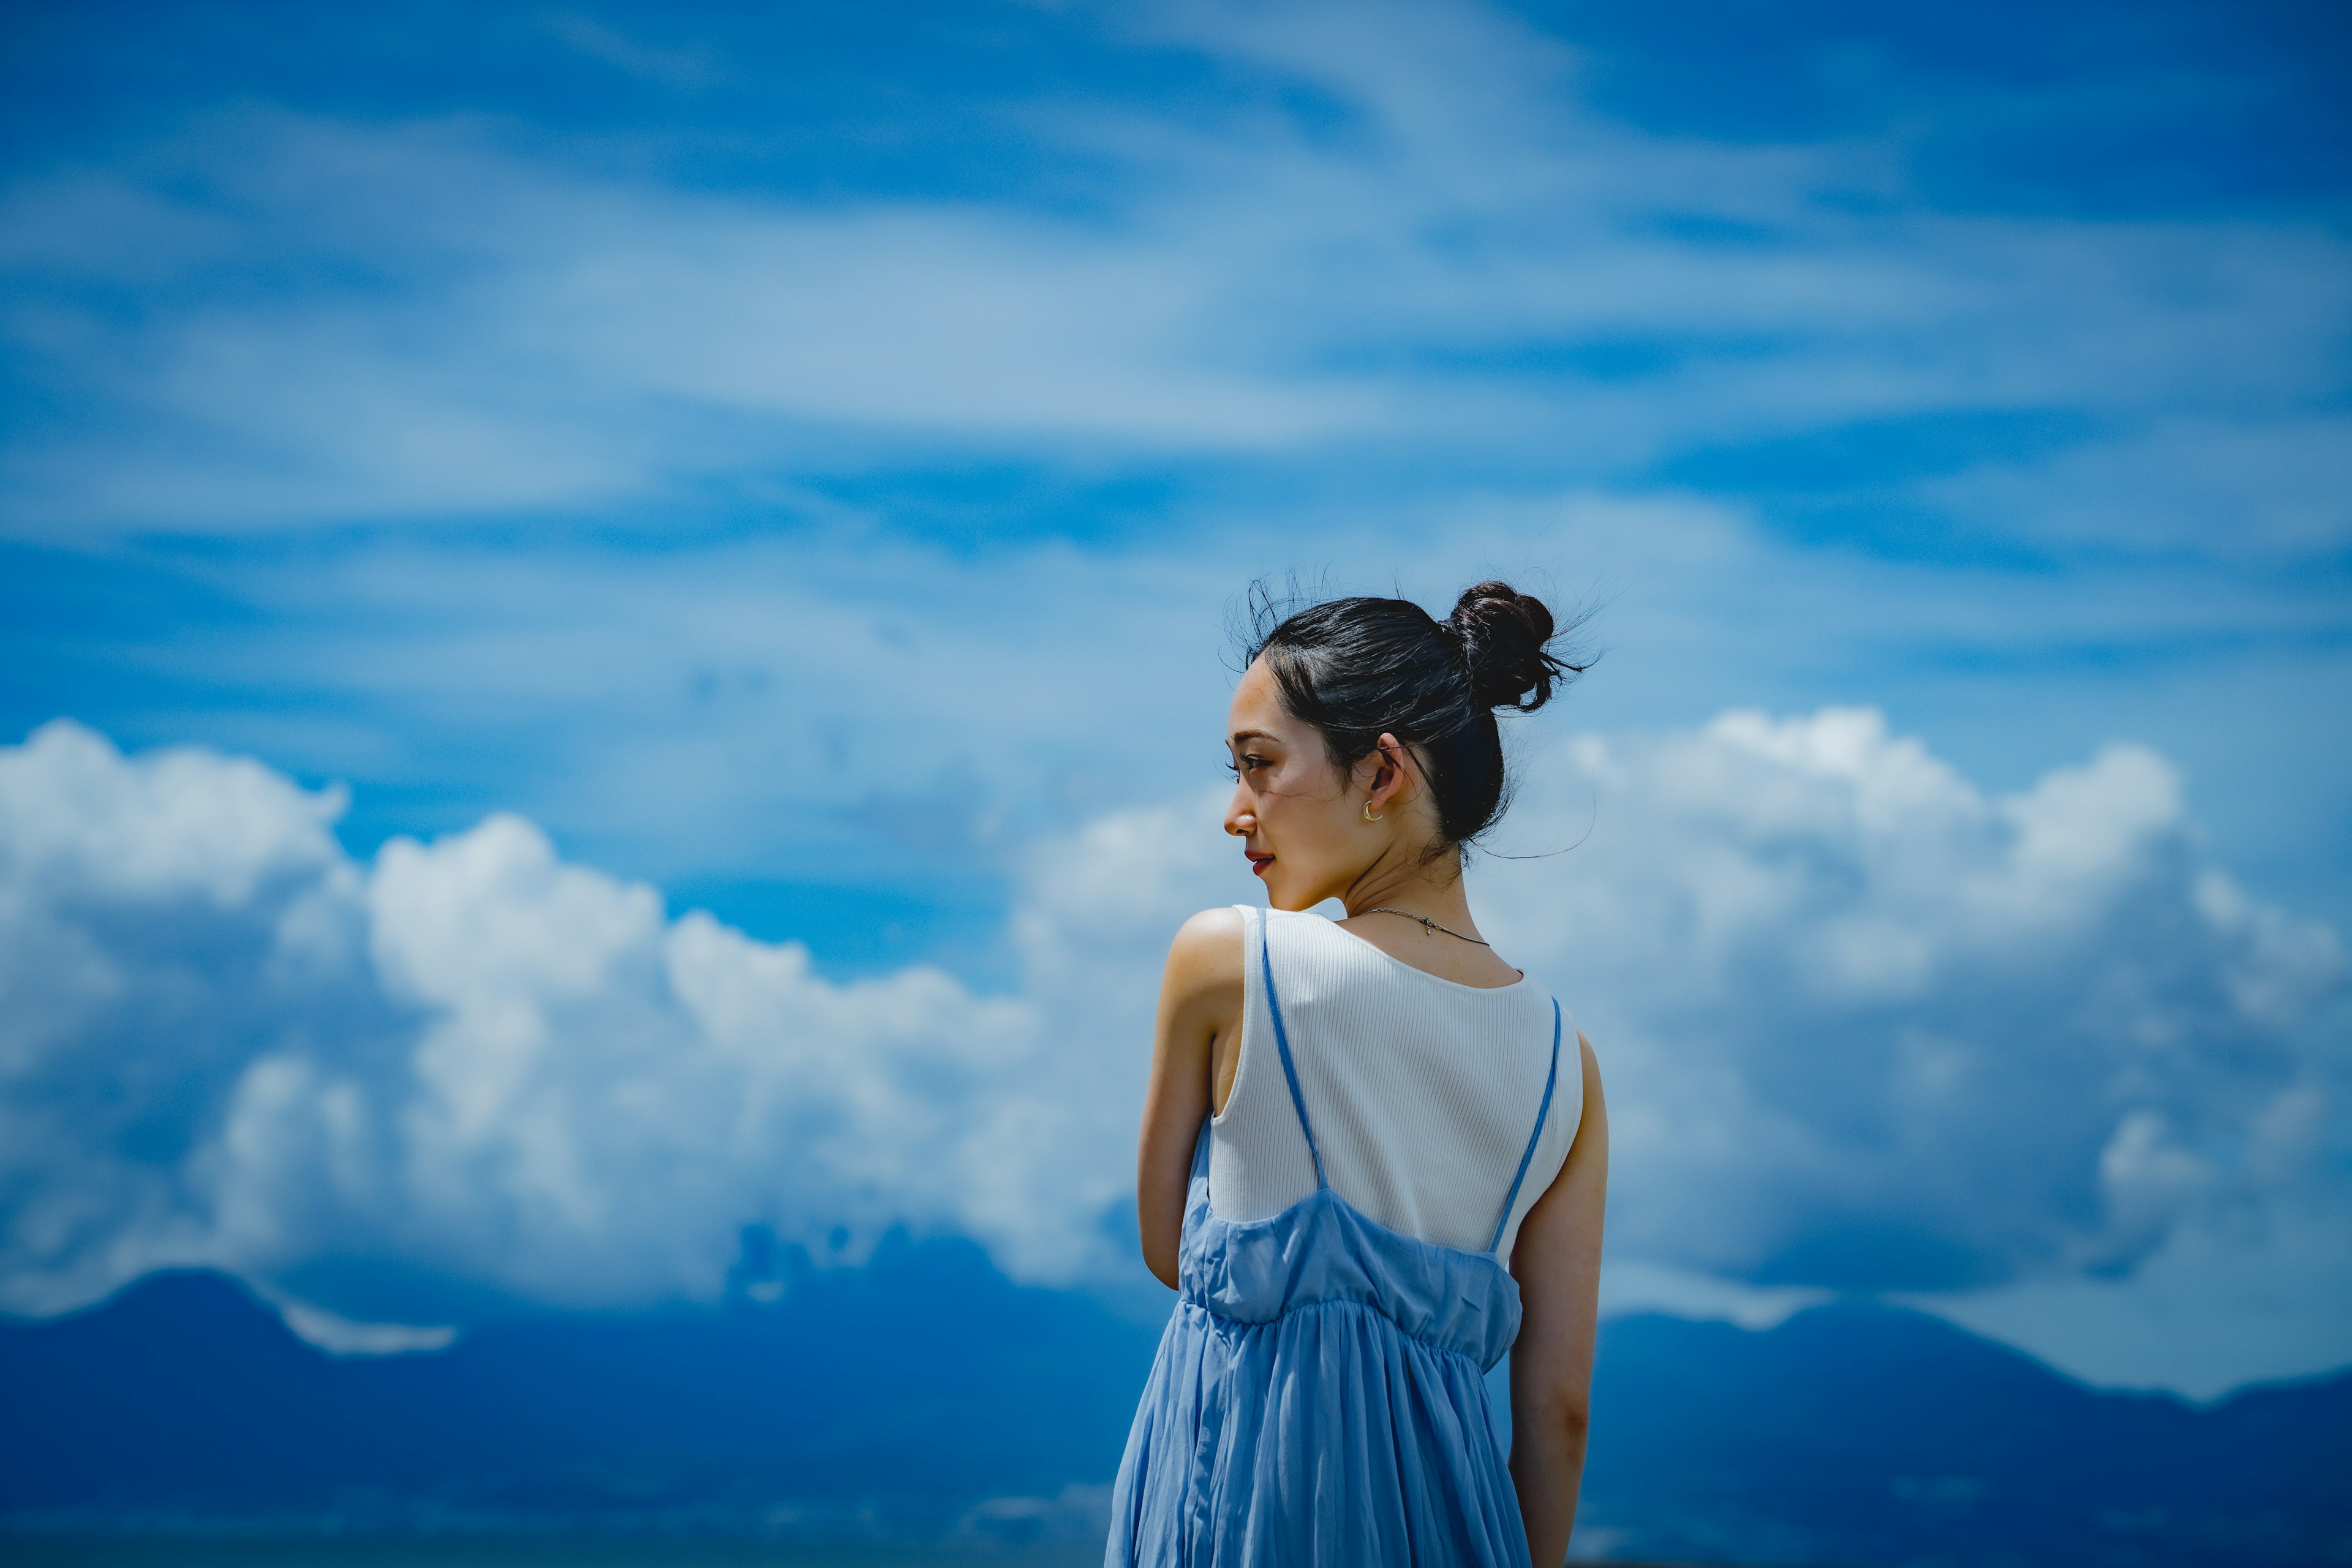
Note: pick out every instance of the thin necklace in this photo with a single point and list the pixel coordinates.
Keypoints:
(1427, 922)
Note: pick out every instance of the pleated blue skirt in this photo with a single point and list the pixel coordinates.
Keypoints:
(1319, 1397)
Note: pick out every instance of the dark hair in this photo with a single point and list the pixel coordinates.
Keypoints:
(1357, 667)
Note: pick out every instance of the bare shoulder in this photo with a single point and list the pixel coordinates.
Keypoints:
(1211, 939)
(1205, 959)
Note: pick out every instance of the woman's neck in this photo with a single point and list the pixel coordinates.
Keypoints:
(1434, 889)
(1448, 943)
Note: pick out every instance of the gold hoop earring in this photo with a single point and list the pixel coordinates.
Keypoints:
(1370, 818)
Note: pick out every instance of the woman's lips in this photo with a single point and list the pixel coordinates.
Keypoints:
(1258, 863)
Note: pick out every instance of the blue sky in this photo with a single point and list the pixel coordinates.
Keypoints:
(805, 462)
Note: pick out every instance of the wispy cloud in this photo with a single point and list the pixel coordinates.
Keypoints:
(1458, 264)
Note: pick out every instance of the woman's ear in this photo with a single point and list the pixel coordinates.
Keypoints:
(1392, 776)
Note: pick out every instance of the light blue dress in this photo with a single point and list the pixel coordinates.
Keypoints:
(1320, 1397)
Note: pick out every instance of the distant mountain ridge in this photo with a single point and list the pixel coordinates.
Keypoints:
(1862, 1434)
(928, 1391)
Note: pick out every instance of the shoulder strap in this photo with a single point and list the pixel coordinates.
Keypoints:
(1534, 1138)
(1282, 1042)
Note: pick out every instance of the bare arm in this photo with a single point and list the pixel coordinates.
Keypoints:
(1197, 1035)
(1556, 1261)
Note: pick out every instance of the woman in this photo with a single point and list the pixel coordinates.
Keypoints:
(1351, 1126)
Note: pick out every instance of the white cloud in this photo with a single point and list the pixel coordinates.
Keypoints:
(1864, 1026)
(1642, 1285)
(341, 1336)
(1873, 1028)
(227, 1044)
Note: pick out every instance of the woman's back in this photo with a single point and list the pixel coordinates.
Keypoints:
(1423, 1093)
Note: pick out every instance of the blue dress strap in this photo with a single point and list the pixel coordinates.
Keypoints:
(1282, 1043)
(1534, 1138)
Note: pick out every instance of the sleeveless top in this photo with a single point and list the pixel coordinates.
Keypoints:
(1319, 1393)
(1412, 1081)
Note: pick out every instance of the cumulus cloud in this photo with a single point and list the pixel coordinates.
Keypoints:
(468, 1062)
(1865, 1026)
(1873, 1028)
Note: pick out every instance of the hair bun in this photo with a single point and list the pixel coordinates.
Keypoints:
(1504, 635)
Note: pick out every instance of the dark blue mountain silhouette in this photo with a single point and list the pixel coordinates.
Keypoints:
(926, 1382)
(1862, 1433)
(924, 1378)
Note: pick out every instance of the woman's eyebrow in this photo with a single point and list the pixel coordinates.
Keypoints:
(1240, 735)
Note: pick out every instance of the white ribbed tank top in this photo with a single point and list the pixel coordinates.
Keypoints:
(1422, 1091)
